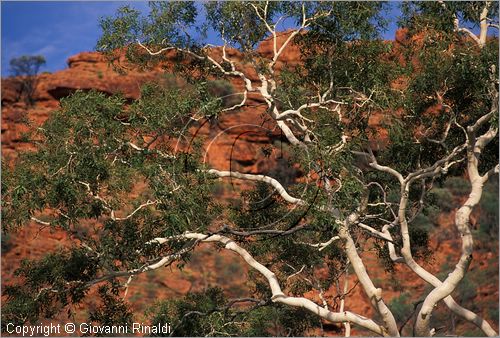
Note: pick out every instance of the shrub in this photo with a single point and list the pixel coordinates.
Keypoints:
(401, 307)
(443, 199)
(489, 218)
(457, 185)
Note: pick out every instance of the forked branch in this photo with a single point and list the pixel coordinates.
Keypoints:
(277, 294)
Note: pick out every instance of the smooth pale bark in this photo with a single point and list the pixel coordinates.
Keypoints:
(483, 24)
(401, 218)
(277, 294)
(373, 293)
(462, 219)
(430, 278)
(347, 326)
(260, 178)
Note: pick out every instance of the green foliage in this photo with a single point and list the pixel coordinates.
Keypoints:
(208, 313)
(6, 242)
(427, 218)
(458, 186)
(420, 243)
(433, 15)
(493, 313)
(262, 209)
(443, 198)
(401, 307)
(466, 291)
(488, 219)
(448, 79)
(113, 310)
(238, 22)
(224, 90)
(279, 320)
(287, 254)
(166, 18)
(161, 27)
(198, 314)
(341, 25)
(119, 31)
(473, 333)
(84, 167)
(48, 285)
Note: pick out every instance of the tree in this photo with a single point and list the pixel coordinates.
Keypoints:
(353, 184)
(26, 68)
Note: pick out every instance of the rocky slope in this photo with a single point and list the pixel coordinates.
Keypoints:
(90, 70)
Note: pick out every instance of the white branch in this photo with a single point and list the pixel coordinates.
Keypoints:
(96, 196)
(430, 278)
(390, 244)
(374, 164)
(374, 231)
(296, 112)
(296, 273)
(39, 221)
(260, 178)
(157, 52)
(373, 293)
(159, 152)
(339, 146)
(285, 44)
(491, 172)
(483, 24)
(322, 245)
(277, 294)
(462, 220)
(445, 134)
(233, 72)
(347, 325)
(133, 212)
(111, 211)
(238, 105)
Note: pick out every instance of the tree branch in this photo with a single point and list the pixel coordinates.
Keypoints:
(373, 293)
(277, 294)
(260, 178)
(462, 219)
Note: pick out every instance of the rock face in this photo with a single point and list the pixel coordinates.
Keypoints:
(240, 136)
(90, 70)
(86, 71)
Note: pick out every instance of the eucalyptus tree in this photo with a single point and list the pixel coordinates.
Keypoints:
(355, 186)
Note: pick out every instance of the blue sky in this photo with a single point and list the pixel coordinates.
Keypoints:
(59, 29)
(55, 30)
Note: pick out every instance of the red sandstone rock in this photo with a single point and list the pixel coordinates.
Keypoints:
(402, 36)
